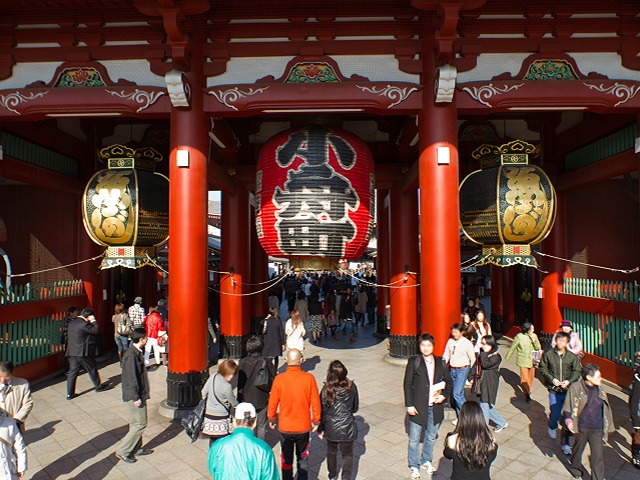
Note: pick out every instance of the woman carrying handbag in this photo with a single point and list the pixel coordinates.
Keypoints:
(220, 401)
(527, 348)
(486, 380)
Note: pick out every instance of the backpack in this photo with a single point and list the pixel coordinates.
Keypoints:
(125, 328)
(262, 379)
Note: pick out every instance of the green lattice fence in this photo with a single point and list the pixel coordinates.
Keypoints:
(41, 291)
(588, 287)
(28, 340)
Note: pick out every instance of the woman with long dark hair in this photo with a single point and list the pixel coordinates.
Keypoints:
(340, 401)
(471, 445)
(482, 328)
(487, 373)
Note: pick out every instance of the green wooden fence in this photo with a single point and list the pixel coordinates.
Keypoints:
(41, 291)
(28, 340)
(588, 287)
(615, 339)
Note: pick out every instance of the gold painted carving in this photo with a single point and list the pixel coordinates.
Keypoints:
(113, 218)
(528, 212)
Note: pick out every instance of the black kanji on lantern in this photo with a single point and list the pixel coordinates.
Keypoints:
(313, 208)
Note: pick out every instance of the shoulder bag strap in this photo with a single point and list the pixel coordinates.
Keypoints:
(213, 388)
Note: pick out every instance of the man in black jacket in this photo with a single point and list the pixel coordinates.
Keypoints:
(135, 393)
(560, 368)
(81, 351)
(248, 391)
(427, 383)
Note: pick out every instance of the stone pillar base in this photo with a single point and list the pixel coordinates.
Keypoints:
(183, 389)
(403, 346)
(381, 325)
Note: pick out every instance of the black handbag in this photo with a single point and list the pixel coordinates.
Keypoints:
(263, 379)
(476, 388)
(194, 422)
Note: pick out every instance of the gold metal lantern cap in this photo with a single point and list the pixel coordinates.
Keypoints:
(126, 207)
(508, 205)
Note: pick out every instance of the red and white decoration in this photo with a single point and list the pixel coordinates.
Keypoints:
(315, 194)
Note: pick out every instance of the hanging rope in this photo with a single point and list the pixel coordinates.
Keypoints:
(463, 264)
(633, 270)
(247, 294)
(55, 268)
(390, 285)
(153, 262)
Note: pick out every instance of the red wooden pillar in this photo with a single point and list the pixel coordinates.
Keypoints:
(259, 278)
(382, 260)
(508, 297)
(234, 311)
(404, 263)
(497, 302)
(439, 211)
(188, 248)
(555, 244)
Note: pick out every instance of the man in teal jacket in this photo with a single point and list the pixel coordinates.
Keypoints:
(241, 455)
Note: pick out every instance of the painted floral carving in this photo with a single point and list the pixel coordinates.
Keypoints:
(228, 97)
(397, 94)
(16, 98)
(311, 73)
(79, 77)
(550, 70)
(619, 90)
(484, 93)
(139, 96)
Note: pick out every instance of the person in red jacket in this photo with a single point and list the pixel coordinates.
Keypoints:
(153, 324)
(296, 394)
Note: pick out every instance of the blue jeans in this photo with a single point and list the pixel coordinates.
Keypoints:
(122, 343)
(491, 413)
(346, 327)
(431, 435)
(556, 402)
(359, 318)
(459, 377)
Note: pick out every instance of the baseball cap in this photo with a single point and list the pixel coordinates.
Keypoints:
(242, 409)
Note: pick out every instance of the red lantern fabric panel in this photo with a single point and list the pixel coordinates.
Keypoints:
(315, 194)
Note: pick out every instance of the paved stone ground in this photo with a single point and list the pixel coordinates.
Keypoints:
(76, 439)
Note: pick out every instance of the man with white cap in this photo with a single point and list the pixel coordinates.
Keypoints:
(241, 455)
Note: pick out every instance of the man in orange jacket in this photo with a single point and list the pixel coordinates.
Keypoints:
(296, 394)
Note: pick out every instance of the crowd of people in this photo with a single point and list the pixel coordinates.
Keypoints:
(244, 400)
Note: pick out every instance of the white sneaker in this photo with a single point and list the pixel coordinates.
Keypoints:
(428, 466)
(566, 449)
(553, 432)
(415, 474)
(455, 422)
(498, 430)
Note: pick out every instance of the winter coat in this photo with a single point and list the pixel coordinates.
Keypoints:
(153, 323)
(16, 400)
(303, 309)
(274, 338)
(13, 452)
(575, 402)
(242, 456)
(416, 388)
(82, 338)
(346, 307)
(247, 391)
(524, 345)
(338, 422)
(224, 392)
(135, 382)
(295, 337)
(634, 401)
(489, 374)
(562, 368)
(575, 344)
(315, 307)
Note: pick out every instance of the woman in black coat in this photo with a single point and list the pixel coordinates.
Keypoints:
(340, 401)
(487, 372)
(273, 336)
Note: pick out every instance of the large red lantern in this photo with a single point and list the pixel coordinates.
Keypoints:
(315, 194)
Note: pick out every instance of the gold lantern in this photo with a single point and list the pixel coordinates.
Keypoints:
(508, 205)
(126, 207)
